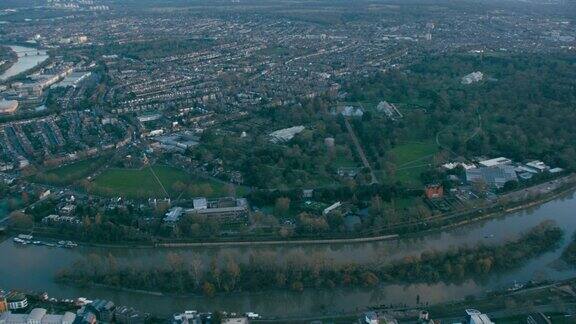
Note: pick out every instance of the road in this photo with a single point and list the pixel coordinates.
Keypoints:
(360, 150)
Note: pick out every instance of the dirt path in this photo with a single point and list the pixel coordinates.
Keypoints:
(360, 150)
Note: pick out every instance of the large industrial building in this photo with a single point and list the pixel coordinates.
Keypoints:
(8, 107)
(37, 316)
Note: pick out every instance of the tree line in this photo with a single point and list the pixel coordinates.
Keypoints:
(179, 274)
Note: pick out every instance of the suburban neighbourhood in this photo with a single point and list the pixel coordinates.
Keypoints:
(237, 161)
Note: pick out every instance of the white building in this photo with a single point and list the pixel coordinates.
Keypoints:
(331, 208)
(473, 77)
(538, 166)
(350, 111)
(174, 214)
(200, 203)
(495, 162)
(286, 134)
(476, 317)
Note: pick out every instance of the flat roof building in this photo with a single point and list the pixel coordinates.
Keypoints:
(225, 209)
(495, 162)
(37, 316)
(8, 107)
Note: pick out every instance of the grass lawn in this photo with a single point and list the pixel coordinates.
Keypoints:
(343, 161)
(401, 203)
(413, 158)
(141, 183)
(414, 153)
(70, 173)
(74, 169)
(411, 177)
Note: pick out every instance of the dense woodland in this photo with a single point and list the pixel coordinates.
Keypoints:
(523, 109)
(297, 272)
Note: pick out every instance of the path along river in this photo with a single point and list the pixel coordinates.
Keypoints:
(34, 267)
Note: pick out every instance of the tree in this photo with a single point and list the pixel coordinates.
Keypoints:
(233, 271)
(208, 289)
(282, 206)
(376, 206)
(178, 186)
(21, 220)
(197, 269)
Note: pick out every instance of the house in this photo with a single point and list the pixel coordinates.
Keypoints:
(68, 209)
(453, 165)
(103, 309)
(369, 318)
(307, 193)
(173, 215)
(538, 166)
(350, 111)
(389, 110)
(434, 191)
(348, 172)
(472, 77)
(188, 317)
(3, 303)
(16, 300)
(56, 219)
(85, 316)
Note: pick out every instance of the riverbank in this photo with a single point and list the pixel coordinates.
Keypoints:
(562, 186)
(551, 298)
(21, 272)
(8, 56)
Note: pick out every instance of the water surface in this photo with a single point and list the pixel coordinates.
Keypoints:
(34, 267)
(28, 58)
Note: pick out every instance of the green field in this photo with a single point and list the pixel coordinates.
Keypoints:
(413, 158)
(70, 173)
(413, 153)
(141, 183)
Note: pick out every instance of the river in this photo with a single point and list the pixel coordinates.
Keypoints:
(33, 268)
(28, 58)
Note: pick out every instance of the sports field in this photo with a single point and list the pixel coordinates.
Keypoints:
(70, 173)
(157, 181)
